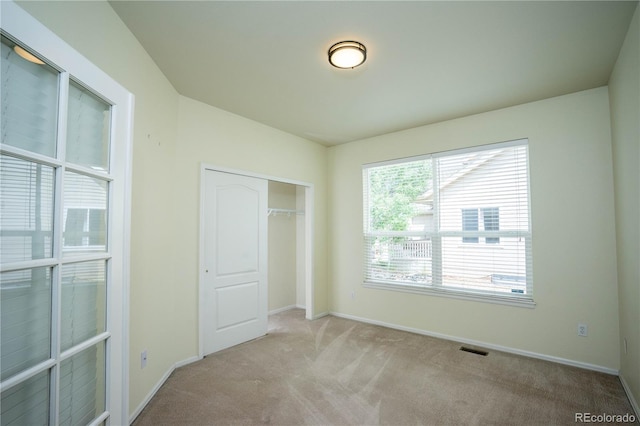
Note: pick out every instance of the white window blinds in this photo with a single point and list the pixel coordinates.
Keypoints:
(454, 222)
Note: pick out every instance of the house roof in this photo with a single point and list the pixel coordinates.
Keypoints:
(474, 161)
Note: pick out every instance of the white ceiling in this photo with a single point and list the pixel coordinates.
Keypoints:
(427, 61)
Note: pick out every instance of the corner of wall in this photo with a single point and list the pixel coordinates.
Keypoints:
(624, 99)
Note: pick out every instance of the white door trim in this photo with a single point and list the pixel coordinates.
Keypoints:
(308, 249)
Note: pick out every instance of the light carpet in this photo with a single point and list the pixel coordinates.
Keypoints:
(334, 371)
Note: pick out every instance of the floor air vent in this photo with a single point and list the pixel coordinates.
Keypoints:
(474, 351)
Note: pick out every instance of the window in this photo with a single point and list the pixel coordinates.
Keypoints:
(455, 223)
(489, 218)
(491, 222)
(470, 223)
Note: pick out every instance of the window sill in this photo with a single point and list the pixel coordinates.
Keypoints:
(517, 301)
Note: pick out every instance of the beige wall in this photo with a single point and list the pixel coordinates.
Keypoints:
(172, 136)
(624, 92)
(574, 269)
(212, 136)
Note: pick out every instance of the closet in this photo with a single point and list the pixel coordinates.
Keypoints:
(286, 224)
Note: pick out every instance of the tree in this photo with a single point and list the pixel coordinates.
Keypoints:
(393, 191)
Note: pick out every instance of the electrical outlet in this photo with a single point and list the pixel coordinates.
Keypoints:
(625, 346)
(583, 330)
(353, 295)
(143, 359)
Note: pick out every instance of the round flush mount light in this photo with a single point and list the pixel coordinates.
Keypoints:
(26, 55)
(347, 54)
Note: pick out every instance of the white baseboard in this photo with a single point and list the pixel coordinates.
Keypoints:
(150, 395)
(158, 385)
(321, 314)
(286, 308)
(186, 362)
(632, 400)
(558, 360)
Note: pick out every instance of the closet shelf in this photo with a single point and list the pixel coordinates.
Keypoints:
(288, 212)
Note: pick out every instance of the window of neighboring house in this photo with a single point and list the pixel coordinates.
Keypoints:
(470, 223)
(421, 234)
(489, 217)
(491, 222)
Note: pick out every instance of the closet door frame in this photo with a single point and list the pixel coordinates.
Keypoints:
(310, 312)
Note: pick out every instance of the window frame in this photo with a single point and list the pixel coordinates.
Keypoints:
(485, 237)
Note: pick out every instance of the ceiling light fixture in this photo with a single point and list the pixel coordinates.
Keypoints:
(347, 54)
(26, 55)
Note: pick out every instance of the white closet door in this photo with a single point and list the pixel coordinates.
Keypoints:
(235, 259)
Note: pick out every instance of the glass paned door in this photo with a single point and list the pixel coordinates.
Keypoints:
(57, 256)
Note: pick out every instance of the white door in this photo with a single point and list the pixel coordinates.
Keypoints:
(235, 260)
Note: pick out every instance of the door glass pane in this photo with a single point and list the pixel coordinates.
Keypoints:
(25, 298)
(88, 129)
(83, 302)
(26, 222)
(27, 403)
(29, 102)
(82, 384)
(85, 218)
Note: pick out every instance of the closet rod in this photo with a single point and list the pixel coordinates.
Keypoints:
(288, 212)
